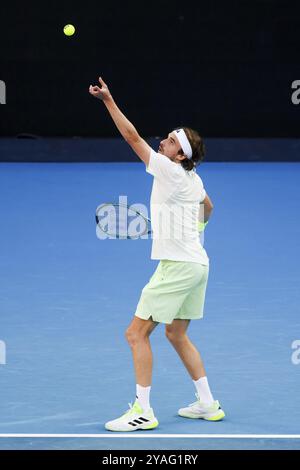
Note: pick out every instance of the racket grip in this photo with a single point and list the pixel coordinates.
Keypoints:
(201, 226)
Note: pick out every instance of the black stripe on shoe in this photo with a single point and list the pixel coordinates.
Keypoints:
(140, 420)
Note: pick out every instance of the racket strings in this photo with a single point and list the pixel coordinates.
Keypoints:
(121, 221)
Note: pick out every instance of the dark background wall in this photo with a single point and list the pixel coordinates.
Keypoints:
(222, 67)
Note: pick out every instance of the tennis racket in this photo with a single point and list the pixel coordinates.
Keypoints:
(116, 220)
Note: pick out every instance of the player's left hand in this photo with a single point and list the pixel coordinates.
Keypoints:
(102, 93)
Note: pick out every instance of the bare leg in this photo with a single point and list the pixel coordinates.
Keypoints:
(190, 356)
(137, 336)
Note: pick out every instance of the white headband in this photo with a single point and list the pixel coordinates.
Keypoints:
(184, 142)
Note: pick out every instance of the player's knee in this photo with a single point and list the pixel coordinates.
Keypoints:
(132, 336)
(174, 336)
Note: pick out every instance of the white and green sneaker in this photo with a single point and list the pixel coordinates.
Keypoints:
(133, 420)
(200, 410)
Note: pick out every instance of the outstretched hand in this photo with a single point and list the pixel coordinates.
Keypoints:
(102, 92)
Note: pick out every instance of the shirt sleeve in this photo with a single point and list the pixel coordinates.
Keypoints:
(202, 192)
(162, 167)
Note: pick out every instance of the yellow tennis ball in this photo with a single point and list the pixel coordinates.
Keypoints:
(69, 30)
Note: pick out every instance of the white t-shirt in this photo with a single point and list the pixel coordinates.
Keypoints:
(175, 198)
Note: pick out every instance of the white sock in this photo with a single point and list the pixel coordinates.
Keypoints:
(143, 396)
(203, 390)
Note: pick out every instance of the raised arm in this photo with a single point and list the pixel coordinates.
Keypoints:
(126, 128)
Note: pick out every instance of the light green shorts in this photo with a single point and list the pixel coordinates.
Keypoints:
(176, 290)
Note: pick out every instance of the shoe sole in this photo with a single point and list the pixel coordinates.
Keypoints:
(217, 417)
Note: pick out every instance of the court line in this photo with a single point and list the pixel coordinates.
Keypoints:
(156, 436)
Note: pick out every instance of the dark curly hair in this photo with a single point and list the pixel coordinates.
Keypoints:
(198, 149)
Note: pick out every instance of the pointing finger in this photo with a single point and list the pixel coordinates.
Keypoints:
(102, 81)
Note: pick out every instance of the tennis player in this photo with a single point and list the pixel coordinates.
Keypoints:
(175, 293)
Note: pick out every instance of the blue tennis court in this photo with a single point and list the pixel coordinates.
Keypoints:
(66, 298)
